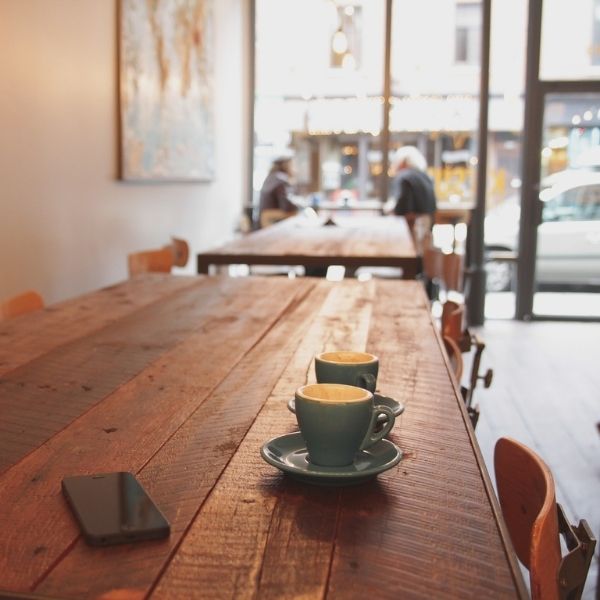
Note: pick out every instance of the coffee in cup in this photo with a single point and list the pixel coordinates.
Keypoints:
(347, 367)
(336, 421)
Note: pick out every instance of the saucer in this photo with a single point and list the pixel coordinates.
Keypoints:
(288, 453)
(397, 407)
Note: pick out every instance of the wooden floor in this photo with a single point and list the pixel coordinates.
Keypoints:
(546, 394)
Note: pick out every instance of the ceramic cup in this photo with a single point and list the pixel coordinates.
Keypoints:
(350, 368)
(336, 421)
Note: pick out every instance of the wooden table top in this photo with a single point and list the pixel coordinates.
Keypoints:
(354, 241)
(181, 381)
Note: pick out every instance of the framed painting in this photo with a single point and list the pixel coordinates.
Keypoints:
(166, 90)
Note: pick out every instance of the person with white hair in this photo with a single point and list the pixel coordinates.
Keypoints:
(412, 187)
(275, 195)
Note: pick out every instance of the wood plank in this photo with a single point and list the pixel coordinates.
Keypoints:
(545, 394)
(438, 498)
(183, 472)
(354, 242)
(250, 519)
(131, 425)
(43, 396)
(287, 524)
(191, 423)
(23, 339)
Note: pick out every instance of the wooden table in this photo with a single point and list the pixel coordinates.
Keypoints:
(356, 241)
(181, 380)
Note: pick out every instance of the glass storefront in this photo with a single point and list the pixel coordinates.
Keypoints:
(324, 99)
(319, 85)
(319, 93)
(568, 237)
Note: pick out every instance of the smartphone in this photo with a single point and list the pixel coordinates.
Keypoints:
(114, 508)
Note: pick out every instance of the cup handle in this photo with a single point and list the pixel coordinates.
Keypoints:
(373, 437)
(367, 381)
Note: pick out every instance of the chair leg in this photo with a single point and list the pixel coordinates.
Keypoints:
(473, 412)
(575, 565)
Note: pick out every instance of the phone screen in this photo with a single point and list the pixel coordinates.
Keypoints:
(113, 508)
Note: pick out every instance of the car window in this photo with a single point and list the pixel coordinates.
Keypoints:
(576, 204)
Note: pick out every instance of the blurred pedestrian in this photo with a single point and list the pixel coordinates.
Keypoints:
(412, 188)
(276, 193)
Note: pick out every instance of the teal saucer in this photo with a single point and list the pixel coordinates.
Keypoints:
(397, 407)
(288, 453)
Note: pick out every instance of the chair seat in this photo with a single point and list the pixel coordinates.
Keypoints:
(534, 520)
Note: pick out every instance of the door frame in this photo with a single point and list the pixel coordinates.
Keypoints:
(536, 91)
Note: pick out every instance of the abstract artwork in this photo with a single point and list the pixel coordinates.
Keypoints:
(166, 90)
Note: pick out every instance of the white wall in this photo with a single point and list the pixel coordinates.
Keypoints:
(66, 222)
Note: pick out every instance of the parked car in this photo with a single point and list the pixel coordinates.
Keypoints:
(568, 251)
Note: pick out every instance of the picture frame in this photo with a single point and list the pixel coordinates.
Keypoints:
(166, 90)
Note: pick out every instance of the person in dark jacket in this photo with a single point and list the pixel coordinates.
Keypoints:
(275, 194)
(412, 187)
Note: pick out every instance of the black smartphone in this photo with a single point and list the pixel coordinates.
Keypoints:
(114, 508)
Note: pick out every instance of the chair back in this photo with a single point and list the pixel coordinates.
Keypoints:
(150, 261)
(534, 519)
(21, 304)
(176, 254)
(270, 216)
(452, 320)
(455, 356)
(181, 252)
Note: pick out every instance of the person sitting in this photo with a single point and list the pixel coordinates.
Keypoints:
(412, 188)
(276, 193)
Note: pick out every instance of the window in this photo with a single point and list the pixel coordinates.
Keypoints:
(577, 204)
(468, 33)
(319, 89)
(596, 34)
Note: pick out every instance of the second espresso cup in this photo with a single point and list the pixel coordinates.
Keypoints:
(349, 368)
(337, 421)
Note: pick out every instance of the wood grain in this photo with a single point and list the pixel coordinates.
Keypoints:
(183, 472)
(353, 242)
(526, 493)
(203, 383)
(250, 496)
(125, 430)
(43, 396)
(545, 394)
(25, 338)
(292, 532)
(437, 498)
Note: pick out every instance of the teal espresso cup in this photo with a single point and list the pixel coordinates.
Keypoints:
(350, 368)
(337, 421)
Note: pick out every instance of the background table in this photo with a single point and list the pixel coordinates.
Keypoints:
(356, 241)
(181, 381)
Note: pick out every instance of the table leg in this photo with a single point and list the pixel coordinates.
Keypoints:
(202, 266)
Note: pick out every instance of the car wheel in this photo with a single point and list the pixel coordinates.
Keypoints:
(499, 276)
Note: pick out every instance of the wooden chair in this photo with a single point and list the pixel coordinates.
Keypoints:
(452, 320)
(535, 520)
(453, 316)
(455, 357)
(181, 252)
(20, 305)
(270, 216)
(150, 261)
(456, 361)
(159, 261)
